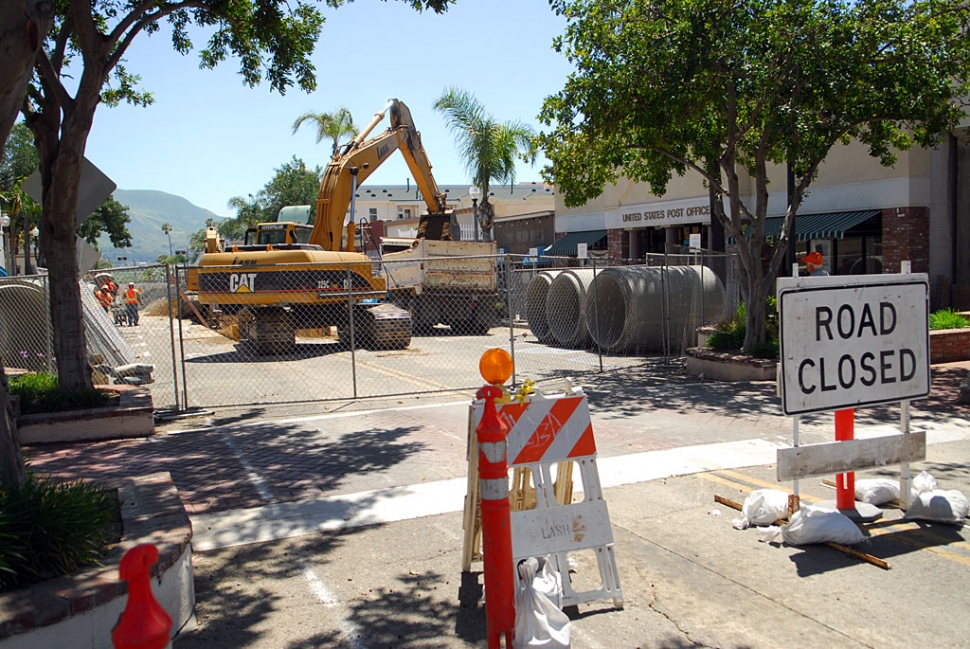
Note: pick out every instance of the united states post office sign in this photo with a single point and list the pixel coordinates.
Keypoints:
(848, 342)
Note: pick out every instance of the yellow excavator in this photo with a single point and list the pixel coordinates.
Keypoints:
(290, 275)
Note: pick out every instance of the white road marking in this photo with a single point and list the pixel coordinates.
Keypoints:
(254, 477)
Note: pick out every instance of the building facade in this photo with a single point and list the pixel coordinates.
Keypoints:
(863, 217)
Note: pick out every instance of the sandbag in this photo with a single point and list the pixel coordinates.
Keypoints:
(924, 482)
(876, 491)
(940, 506)
(538, 621)
(813, 524)
(762, 507)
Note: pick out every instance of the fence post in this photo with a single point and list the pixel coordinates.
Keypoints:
(171, 333)
(508, 311)
(596, 318)
(350, 328)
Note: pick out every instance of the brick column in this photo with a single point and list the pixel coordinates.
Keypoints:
(905, 236)
(614, 244)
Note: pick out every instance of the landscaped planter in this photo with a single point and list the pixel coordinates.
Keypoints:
(949, 345)
(729, 366)
(133, 416)
(81, 610)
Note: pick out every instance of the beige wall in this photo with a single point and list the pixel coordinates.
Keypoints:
(850, 179)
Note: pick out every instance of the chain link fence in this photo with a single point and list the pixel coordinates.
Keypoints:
(244, 337)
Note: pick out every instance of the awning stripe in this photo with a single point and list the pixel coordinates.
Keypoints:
(829, 225)
(567, 245)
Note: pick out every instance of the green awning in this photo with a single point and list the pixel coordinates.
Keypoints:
(828, 225)
(566, 247)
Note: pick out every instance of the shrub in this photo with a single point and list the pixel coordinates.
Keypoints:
(51, 528)
(41, 393)
(948, 319)
(729, 333)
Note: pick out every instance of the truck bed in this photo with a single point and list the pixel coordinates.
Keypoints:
(431, 265)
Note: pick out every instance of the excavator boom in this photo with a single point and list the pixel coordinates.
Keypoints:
(361, 157)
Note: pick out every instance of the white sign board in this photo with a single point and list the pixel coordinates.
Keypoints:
(695, 241)
(853, 341)
(581, 251)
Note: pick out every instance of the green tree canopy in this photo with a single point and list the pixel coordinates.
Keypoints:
(664, 87)
(488, 148)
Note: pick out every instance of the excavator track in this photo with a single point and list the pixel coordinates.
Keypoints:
(269, 330)
(380, 327)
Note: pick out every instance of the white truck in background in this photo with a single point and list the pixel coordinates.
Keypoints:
(448, 282)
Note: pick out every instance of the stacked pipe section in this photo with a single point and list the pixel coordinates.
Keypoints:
(535, 305)
(566, 307)
(640, 308)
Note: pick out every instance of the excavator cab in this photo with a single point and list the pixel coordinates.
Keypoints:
(281, 236)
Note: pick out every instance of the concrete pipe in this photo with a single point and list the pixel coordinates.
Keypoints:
(630, 306)
(24, 328)
(566, 307)
(535, 305)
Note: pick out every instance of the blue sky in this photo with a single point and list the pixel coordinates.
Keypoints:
(208, 137)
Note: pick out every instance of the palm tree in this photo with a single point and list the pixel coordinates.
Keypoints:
(488, 149)
(167, 229)
(333, 125)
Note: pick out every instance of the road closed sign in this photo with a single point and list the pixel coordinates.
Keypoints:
(854, 341)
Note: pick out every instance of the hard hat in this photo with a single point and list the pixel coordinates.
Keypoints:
(104, 286)
(813, 258)
(131, 283)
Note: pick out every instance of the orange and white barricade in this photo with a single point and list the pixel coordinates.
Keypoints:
(547, 437)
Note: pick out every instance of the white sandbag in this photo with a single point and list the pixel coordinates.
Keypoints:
(940, 506)
(924, 482)
(538, 621)
(812, 524)
(876, 491)
(762, 507)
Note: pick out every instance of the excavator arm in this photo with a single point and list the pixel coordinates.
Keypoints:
(362, 157)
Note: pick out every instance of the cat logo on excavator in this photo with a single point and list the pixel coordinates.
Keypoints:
(242, 282)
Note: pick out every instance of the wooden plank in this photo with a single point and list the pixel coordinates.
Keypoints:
(850, 455)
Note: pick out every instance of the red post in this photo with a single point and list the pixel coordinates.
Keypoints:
(493, 472)
(845, 482)
(143, 624)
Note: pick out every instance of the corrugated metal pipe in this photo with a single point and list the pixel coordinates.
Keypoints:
(23, 329)
(630, 304)
(566, 310)
(535, 305)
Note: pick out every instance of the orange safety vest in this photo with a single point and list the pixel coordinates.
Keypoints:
(131, 296)
(104, 297)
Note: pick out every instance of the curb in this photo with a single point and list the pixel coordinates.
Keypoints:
(81, 610)
(132, 417)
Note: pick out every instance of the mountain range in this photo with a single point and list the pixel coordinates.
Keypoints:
(149, 210)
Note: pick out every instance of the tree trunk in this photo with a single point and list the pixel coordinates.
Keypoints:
(11, 460)
(58, 237)
(756, 316)
(23, 25)
(60, 241)
(486, 217)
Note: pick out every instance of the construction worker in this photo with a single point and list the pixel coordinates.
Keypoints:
(132, 302)
(104, 297)
(813, 264)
